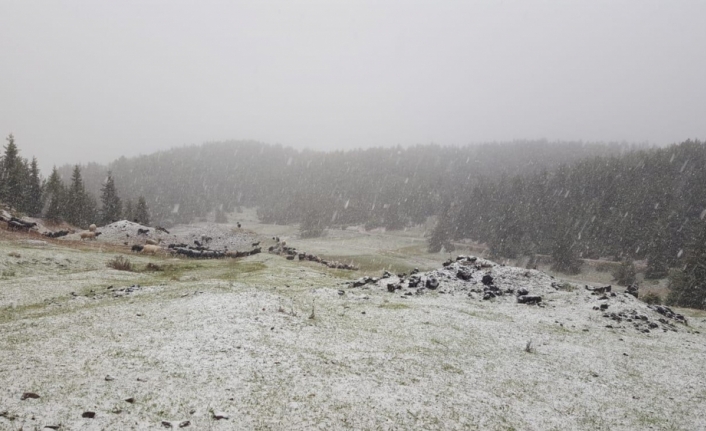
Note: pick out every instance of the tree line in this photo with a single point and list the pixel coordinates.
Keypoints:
(647, 204)
(376, 187)
(23, 188)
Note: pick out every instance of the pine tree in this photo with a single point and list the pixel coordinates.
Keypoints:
(687, 288)
(443, 231)
(128, 210)
(12, 185)
(142, 214)
(54, 194)
(112, 206)
(564, 255)
(80, 207)
(34, 190)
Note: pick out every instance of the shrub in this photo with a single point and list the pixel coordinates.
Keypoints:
(121, 263)
(652, 298)
(625, 274)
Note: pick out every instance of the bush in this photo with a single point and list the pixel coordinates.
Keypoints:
(121, 263)
(564, 256)
(625, 274)
(652, 298)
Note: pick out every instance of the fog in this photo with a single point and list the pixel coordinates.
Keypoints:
(91, 81)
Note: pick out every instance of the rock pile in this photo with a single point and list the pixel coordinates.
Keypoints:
(290, 253)
(488, 281)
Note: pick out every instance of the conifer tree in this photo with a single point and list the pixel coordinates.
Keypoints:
(564, 254)
(34, 191)
(111, 205)
(142, 214)
(12, 185)
(687, 287)
(54, 194)
(128, 210)
(80, 207)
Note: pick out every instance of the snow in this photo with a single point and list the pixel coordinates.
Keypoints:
(244, 346)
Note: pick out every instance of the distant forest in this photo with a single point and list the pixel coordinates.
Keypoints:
(378, 187)
(569, 200)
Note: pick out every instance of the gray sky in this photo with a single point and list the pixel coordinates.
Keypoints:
(92, 80)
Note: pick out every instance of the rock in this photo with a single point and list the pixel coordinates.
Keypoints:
(219, 416)
(529, 299)
(632, 290)
(447, 263)
(432, 283)
(386, 274)
(414, 281)
(130, 400)
(391, 287)
(487, 280)
(166, 424)
(52, 427)
(109, 378)
(599, 290)
(184, 424)
(464, 274)
(522, 292)
(27, 395)
(88, 415)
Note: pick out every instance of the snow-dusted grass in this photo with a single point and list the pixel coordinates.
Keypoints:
(236, 337)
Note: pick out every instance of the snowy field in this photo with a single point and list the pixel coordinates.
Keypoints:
(266, 343)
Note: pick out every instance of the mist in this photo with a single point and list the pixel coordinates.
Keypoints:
(89, 82)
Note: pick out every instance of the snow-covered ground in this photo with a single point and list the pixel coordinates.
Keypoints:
(277, 344)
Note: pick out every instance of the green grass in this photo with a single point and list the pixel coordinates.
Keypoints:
(237, 269)
(394, 306)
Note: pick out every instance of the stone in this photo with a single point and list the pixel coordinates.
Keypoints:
(27, 395)
(88, 415)
(529, 299)
(432, 283)
(464, 273)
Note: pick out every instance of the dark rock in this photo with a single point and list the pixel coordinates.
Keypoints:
(184, 424)
(166, 424)
(633, 290)
(599, 290)
(27, 395)
(487, 280)
(88, 415)
(604, 306)
(386, 274)
(447, 263)
(414, 281)
(130, 400)
(464, 273)
(529, 299)
(432, 283)
(522, 291)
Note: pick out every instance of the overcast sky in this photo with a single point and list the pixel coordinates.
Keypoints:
(94, 80)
